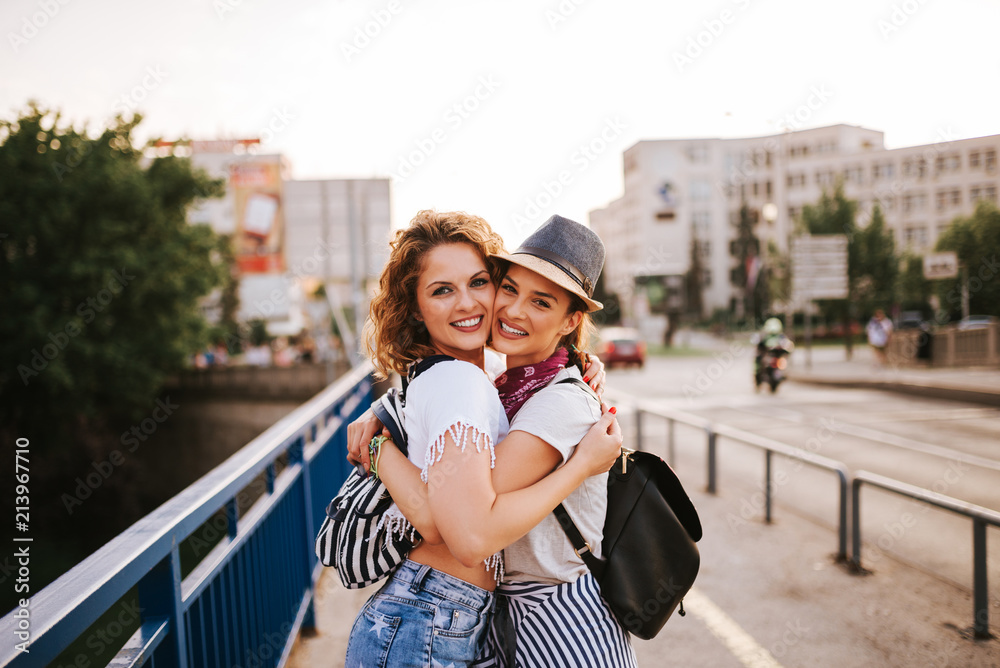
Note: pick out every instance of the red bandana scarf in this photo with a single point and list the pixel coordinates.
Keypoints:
(517, 385)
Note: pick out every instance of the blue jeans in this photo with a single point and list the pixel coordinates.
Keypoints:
(420, 615)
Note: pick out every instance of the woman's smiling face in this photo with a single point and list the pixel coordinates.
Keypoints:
(530, 316)
(455, 300)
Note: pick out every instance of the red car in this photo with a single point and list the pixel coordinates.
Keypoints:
(621, 345)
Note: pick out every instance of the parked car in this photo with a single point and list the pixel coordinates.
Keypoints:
(911, 320)
(621, 345)
(977, 322)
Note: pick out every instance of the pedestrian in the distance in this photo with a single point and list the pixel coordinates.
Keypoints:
(879, 330)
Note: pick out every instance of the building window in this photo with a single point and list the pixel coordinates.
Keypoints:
(855, 175)
(706, 278)
(824, 178)
(767, 187)
(794, 212)
(705, 248)
(885, 170)
(947, 163)
(700, 191)
(974, 160)
(796, 180)
(915, 236)
(886, 202)
(914, 202)
(701, 220)
(916, 167)
(948, 198)
(698, 153)
(988, 193)
(990, 160)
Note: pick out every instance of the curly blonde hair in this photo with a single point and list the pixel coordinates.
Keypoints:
(393, 338)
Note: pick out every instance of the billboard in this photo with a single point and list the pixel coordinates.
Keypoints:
(819, 267)
(258, 209)
(940, 265)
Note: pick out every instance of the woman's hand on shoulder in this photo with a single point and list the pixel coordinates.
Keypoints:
(359, 434)
(594, 374)
(602, 445)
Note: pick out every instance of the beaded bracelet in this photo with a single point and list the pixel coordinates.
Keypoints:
(375, 452)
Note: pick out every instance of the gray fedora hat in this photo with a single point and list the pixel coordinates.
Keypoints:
(565, 252)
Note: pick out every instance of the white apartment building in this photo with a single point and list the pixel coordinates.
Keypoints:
(677, 190)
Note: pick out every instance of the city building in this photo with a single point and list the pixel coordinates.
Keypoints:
(291, 236)
(679, 191)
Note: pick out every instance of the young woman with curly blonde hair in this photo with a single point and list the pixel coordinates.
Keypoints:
(436, 296)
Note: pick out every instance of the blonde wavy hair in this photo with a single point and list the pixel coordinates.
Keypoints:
(393, 338)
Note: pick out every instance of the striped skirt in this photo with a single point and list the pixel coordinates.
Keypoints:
(557, 626)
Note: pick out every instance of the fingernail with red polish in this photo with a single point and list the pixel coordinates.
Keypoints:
(586, 379)
(613, 410)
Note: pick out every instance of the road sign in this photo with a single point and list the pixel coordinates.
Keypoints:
(819, 267)
(940, 265)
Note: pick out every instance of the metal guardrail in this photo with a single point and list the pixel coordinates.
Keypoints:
(770, 448)
(981, 517)
(246, 600)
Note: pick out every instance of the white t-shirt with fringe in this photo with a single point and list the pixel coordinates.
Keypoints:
(453, 397)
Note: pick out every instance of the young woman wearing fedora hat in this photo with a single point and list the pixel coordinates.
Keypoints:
(436, 297)
(541, 322)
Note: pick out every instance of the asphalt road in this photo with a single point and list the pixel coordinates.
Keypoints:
(920, 558)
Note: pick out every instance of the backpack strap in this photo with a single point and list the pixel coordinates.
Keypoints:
(582, 385)
(389, 407)
(594, 563)
(420, 366)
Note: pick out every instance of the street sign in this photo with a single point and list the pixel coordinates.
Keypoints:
(940, 265)
(819, 267)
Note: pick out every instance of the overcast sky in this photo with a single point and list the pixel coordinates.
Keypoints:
(483, 105)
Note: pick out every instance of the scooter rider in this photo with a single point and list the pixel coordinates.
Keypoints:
(771, 337)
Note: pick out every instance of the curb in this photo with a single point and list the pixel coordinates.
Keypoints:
(951, 393)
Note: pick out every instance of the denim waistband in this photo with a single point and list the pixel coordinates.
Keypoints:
(423, 577)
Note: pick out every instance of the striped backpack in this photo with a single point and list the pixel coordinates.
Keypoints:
(350, 538)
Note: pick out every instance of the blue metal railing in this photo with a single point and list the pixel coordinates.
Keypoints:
(246, 600)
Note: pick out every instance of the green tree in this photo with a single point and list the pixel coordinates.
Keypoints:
(779, 274)
(101, 273)
(744, 248)
(693, 282)
(914, 289)
(877, 270)
(976, 241)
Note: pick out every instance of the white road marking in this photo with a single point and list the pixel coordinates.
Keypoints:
(739, 643)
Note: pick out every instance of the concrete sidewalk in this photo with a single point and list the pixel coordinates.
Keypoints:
(831, 367)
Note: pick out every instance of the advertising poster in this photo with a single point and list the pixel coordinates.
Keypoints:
(259, 214)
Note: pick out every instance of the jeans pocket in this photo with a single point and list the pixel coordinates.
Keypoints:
(455, 621)
(460, 642)
(371, 637)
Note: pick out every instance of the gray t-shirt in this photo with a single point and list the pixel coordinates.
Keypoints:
(560, 415)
